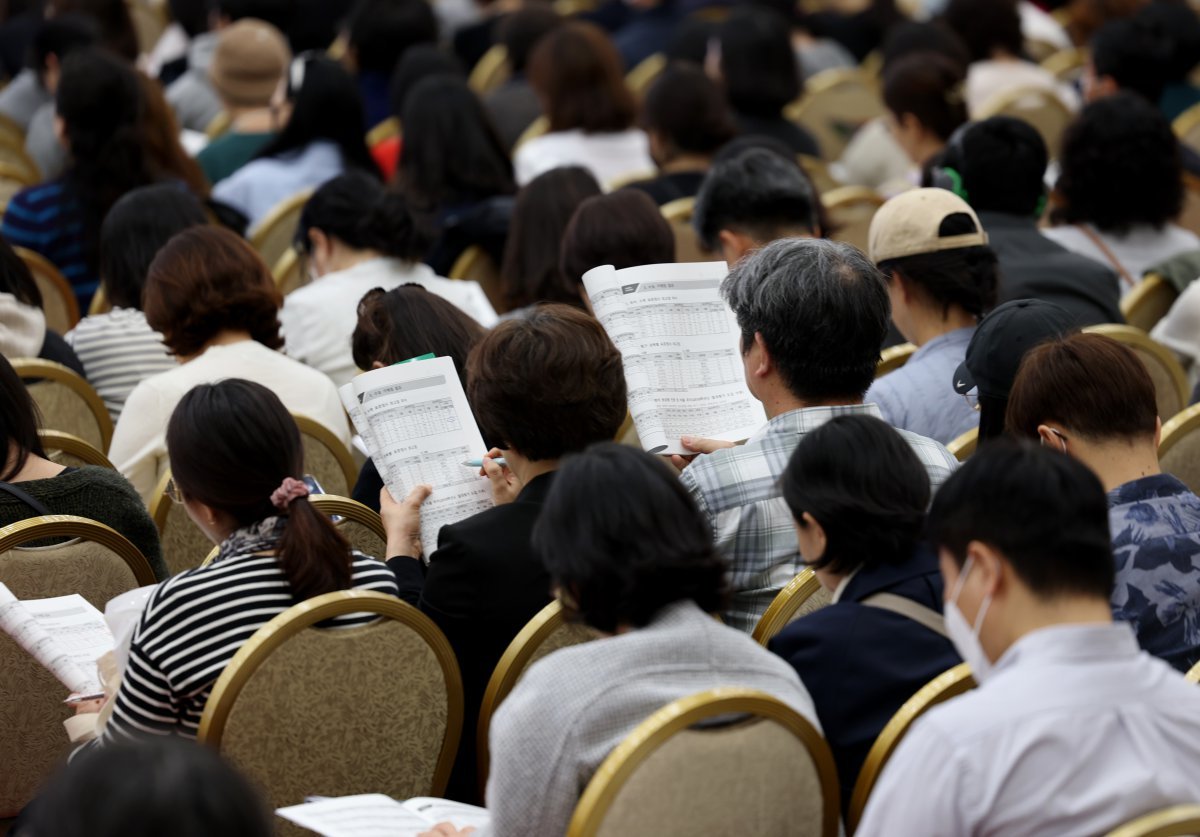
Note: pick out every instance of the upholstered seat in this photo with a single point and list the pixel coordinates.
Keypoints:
(66, 401)
(850, 210)
(184, 545)
(1170, 381)
(1179, 447)
(835, 104)
(1148, 302)
(58, 297)
(275, 234)
(71, 451)
(687, 242)
(326, 458)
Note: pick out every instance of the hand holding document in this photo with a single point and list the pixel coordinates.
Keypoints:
(680, 345)
(417, 426)
(376, 815)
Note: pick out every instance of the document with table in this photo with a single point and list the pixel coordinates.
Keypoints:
(680, 345)
(65, 634)
(417, 426)
(376, 815)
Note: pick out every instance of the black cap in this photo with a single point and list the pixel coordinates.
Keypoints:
(1001, 341)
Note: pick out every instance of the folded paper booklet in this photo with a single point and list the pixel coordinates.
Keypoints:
(65, 634)
(418, 428)
(680, 345)
(376, 815)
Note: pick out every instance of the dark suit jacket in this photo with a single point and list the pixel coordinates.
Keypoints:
(483, 584)
(860, 663)
(1034, 267)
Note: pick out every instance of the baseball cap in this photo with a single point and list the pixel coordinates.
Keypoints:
(1001, 341)
(909, 225)
(249, 61)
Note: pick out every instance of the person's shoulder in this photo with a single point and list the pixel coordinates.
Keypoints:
(510, 522)
(932, 453)
(39, 197)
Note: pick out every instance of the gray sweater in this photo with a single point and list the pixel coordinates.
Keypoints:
(100, 494)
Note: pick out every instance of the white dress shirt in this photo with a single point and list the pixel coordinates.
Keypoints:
(609, 157)
(1075, 732)
(319, 318)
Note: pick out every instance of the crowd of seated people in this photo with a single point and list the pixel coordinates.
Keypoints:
(214, 231)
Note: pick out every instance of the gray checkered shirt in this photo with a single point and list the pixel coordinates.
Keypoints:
(737, 489)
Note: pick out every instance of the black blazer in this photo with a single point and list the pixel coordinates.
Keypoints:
(483, 584)
(860, 663)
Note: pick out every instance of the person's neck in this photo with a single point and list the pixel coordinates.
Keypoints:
(686, 163)
(777, 400)
(253, 120)
(928, 322)
(1037, 614)
(35, 467)
(226, 337)
(527, 470)
(927, 147)
(344, 258)
(1118, 462)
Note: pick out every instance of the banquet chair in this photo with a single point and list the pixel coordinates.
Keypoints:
(1176, 821)
(326, 458)
(58, 297)
(1179, 447)
(802, 595)
(893, 357)
(66, 401)
(1170, 381)
(1148, 302)
(69, 450)
(962, 447)
(276, 232)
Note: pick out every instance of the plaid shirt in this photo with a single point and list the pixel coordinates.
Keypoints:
(737, 489)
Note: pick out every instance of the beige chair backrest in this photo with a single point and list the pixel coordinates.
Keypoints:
(289, 272)
(544, 634)
(477, 265)
(893, 357)
(393, 685)
(1039, 107)
(1148, 302)
(835, 104)
(725, 761)
(1179, 447)
(98, 563)
(13, 154)
(326, 458)
(11, 132)
(71, 451)
(802, 595)
(1176, 821)
(66, 401)
(687, 241)
(183, 544)
(274, 235)
(850, 210)
(947, 685)
(58, 297)
(1066, 65)
(1189, 218)
(490, 71)
(643, 75)
(1193, 675)
(99, 303)
(818, 172)
(12, 180)
(1170, 381)
(1187, 127)
(962, 447)
(150, 20)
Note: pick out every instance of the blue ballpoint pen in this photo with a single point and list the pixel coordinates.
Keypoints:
(478, 463)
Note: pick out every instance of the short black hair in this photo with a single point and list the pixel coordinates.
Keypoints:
(1044, 511)
(1135, 54)
(1181, 25)
(381, 30)
(644, 545)
(985, 26)
(687, 108)
(19, 420)
(520, 31)
(1121, 166)
(59, 36)
(278, 13)
(758, 193)
(356, 209)
(964, 276)
(1002, 163)
(419, 63)
(757, 62)
(909, 37)
(866, 487)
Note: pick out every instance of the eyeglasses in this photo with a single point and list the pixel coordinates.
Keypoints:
(172, 491)
(972, 399)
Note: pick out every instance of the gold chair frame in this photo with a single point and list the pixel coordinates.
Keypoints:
(1175, 821)
(72, 445)
(965, 445)
(536, 128)
(278, 214)
(1064, 63)
(33, 368)
(218, 125)
(72, 526)
(785, 605)
(316, 430)
(8, 170)
(385, 130)
(490, 71)
(949, 684)
(679, 210)
(1152, 292)
(682, 714)
(20, 158)
(1186, 122)
(893, 357)
(1001, 102)
(639, 79)
(298, 618)
(46, 274)
(1135, 338)
(1193, 675)
(1178, 427)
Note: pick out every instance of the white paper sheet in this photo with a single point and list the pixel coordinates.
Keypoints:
(376, 815)
(679, 343)
(65, 634)
(416, 422)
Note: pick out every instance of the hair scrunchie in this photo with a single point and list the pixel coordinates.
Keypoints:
(289, 490)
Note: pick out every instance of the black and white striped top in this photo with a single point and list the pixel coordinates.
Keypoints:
(193, 625)
(118, 350)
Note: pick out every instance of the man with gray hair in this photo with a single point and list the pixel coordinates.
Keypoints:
(752, 199)
(813, 315)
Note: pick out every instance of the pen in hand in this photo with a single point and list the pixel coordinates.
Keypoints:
(478, 463)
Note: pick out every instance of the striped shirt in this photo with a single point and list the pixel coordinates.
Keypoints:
(48, 220)
(192, 627)
(118, 350)
(737, 490)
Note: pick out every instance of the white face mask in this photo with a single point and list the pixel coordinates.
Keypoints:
(965, 637)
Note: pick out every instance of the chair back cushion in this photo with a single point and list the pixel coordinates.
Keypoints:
(323, 464)
(183, 544)
(1166, 390)
(65, 409)
(835, 105)
(1182, 459)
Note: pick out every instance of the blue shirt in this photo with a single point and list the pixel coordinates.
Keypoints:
(920, 396)
(47, 219)
(257, 187)
(1155, 523)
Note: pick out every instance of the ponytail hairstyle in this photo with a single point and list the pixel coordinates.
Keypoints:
(357, 210)
(232, 445)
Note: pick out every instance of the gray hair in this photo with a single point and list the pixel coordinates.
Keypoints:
(758, 191)
(822, 309)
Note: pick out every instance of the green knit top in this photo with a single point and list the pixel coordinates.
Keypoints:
(96, 493)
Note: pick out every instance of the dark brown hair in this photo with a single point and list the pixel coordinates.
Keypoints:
(1091, 384)
(689, 110)
(207, 280)
(407, 322)
(624, 229)
(548, 384)
(930, 87)
(231, 444)
(576, 72)
(19, 420)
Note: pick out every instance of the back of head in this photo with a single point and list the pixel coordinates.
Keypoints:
(135, 229)
(618, 563)
(578, 76)
(358, 211)
(521, 31)
(1135, 54)
(1046, 513)
(690, 41)
(688, 110)
(1180, 23)
(326, 105)
(624, 229)
(408, 322)
(151, 786)
(911, 37)
(1091, 385)
(1001, 162)
(548, 384)
(232, 445)
(757, 193)
(986, 26)
(757, 62)
(60, 36)
(452, 153)
(532, 269)
(278, 13)
(928, 86)
(1120, 166)
(206, 280)
(419, 63)
(249, 63)
(191, 15)
(111, 16)
(19, 421)
(382, 30)
(862, 482)
(822, 310)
